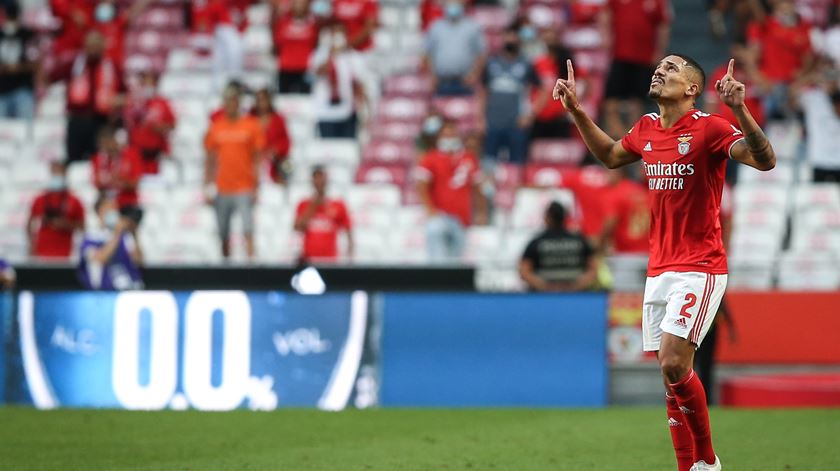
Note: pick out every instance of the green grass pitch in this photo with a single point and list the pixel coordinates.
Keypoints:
(395, 439)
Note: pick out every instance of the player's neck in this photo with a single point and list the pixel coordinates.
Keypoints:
(671, 111)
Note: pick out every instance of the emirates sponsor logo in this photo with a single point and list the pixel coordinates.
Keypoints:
(673, 169)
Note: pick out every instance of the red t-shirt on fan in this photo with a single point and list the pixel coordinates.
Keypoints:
(49, 241)
(685, 166)
(143, 135)
(128, 167)
(320, 239)
(783, 48)
(354, 14)
(451, 178)
(627, 203)
(752, 100)
(296, 38)
(634, 26)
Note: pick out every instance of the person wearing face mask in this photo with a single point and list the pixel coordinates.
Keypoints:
(95, 95)
(449, 184)
(454, 52)
(150, 120)
(113, 24)
(508, 79)
(782, 43)
(110, 257)
(337, 92)
(18, 57)
(55, 217)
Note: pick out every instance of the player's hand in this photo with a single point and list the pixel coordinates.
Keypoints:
(565, 90)
(730, 91)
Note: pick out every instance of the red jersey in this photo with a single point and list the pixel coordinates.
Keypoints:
(685, 166)
(627, 203)
(451, 178)
(127, 168)
(753, 102)
(144, 134)
(75, 17)
(320, 238)
(50, 241)
(354, 14)
(114, 34)
(295, 38)
(783, 48)
(430, 10)
(634, 26)
(547, 70)
(587, 184)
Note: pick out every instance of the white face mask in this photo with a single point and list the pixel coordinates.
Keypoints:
(111, 218)
(105, 12)
(56, 183)
(339, 41)
(450, 144)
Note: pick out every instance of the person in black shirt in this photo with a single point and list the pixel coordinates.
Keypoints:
(18, 54)
(558, 260)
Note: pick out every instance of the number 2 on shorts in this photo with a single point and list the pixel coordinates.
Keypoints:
(690, 301)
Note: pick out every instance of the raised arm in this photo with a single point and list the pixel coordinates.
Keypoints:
(755, 150)
(610, 152)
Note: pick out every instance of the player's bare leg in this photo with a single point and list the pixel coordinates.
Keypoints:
(676, 356)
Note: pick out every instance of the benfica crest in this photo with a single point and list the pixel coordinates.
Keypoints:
(684, 146)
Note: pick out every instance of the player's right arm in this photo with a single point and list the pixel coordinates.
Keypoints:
(610, 152)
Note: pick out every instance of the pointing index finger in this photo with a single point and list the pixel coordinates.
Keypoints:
(570, 69)
(731, 68)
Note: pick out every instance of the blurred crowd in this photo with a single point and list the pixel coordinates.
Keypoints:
(119, 121)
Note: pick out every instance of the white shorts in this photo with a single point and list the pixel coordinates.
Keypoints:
(680, 303)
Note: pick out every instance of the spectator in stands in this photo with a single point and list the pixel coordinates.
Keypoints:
(449, 185)
(7, 275)
(782, 43)
(110, 257)
(550, 118)
(430, 11)
(117, 169)
(827, 42)
(277, 143)
(75, 19)
(455, 52)
(55, 217)
(113, 24)
(627, 217)
(18, 62)
(429, 132)
(150, 120)
(818, 97)
(359, 18)
(508, 79)
(234, 145)
(320, 219)
(637, 32)
(337, 92)
(745, 63)
(211, 20)
(95, 91)
(558, 260)
(295, 39)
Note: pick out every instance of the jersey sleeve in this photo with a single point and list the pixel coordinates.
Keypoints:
(630, 141)
(721, 135)
(37, 209)
(344, 217)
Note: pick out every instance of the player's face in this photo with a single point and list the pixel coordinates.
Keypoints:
(670, 80)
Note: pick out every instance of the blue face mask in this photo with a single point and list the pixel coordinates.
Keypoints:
(527, 33)
(454, 10)
(105, 12)
(321, 8)
(431, 125)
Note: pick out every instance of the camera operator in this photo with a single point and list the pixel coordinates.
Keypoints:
(110, 256)
(55, 216)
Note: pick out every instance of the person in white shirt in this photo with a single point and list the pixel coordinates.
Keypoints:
(819, 100)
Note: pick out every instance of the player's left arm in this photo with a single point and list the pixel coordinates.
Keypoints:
(755, 149)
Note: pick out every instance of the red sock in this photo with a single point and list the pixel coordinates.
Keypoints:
(680, 435)
(691, 398)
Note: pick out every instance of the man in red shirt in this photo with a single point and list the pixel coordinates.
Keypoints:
(320, 219)
(76, 19)
(295, 38)
(627, 218)
(359, 18)
(117, 171)
(55, 217)
(684, 153)
(150, 119)
(782, 43)
(449, 180)
(637, 31)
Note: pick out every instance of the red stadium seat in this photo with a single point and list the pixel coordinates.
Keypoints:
(376, 173)
(395, 131)
(558, 151)
(491, 18)
(403, 109)
(545, 175)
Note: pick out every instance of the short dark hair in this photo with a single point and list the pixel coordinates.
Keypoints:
(316, 169)
(694, 65)
(556, 214)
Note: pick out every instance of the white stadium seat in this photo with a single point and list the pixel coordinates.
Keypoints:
(807, 197)
(783, 173)
(530, 204)
(750, 273)
(30, 174)
(14, 131)
(761, 196)
(381, 219)
(361, 197)
(334, 152)
(809, 271)
(190, 84)
(79, 174)
(483, 244)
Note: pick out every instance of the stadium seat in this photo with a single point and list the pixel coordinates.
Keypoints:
(343, 152)
(761, 196)
(557, 151)
(49, 130)
(408, 86)
(30, 174)
(457, 108)
(786, 137)
(783, 174)
(9, 152)
(483, 244)
(161, 18)
(259, 14)
(389, 153)
(583, 37)
(809, 271)
(545, 175)
(750, 273)
(79, 174)
(257, 39)
(807, 197)
(338, 174)
(187, 84)
(755, 242)
(363, 197)
(513, 245)
(761, 218)
(530, 203)
(194, 110)
(374, 173)
(273, 196)
(819, 218)
(592, 61)
(816, 239)
(14, 131)
(182, 60)
(52, 107)
(372, 245)
(294, 107)
(395, 131)
(409, 217)
(402, 109)
(408, 245)
(491, 18)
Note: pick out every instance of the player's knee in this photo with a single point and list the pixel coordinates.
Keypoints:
(673, 367)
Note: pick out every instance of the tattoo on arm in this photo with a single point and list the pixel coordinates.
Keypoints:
(759, 146)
